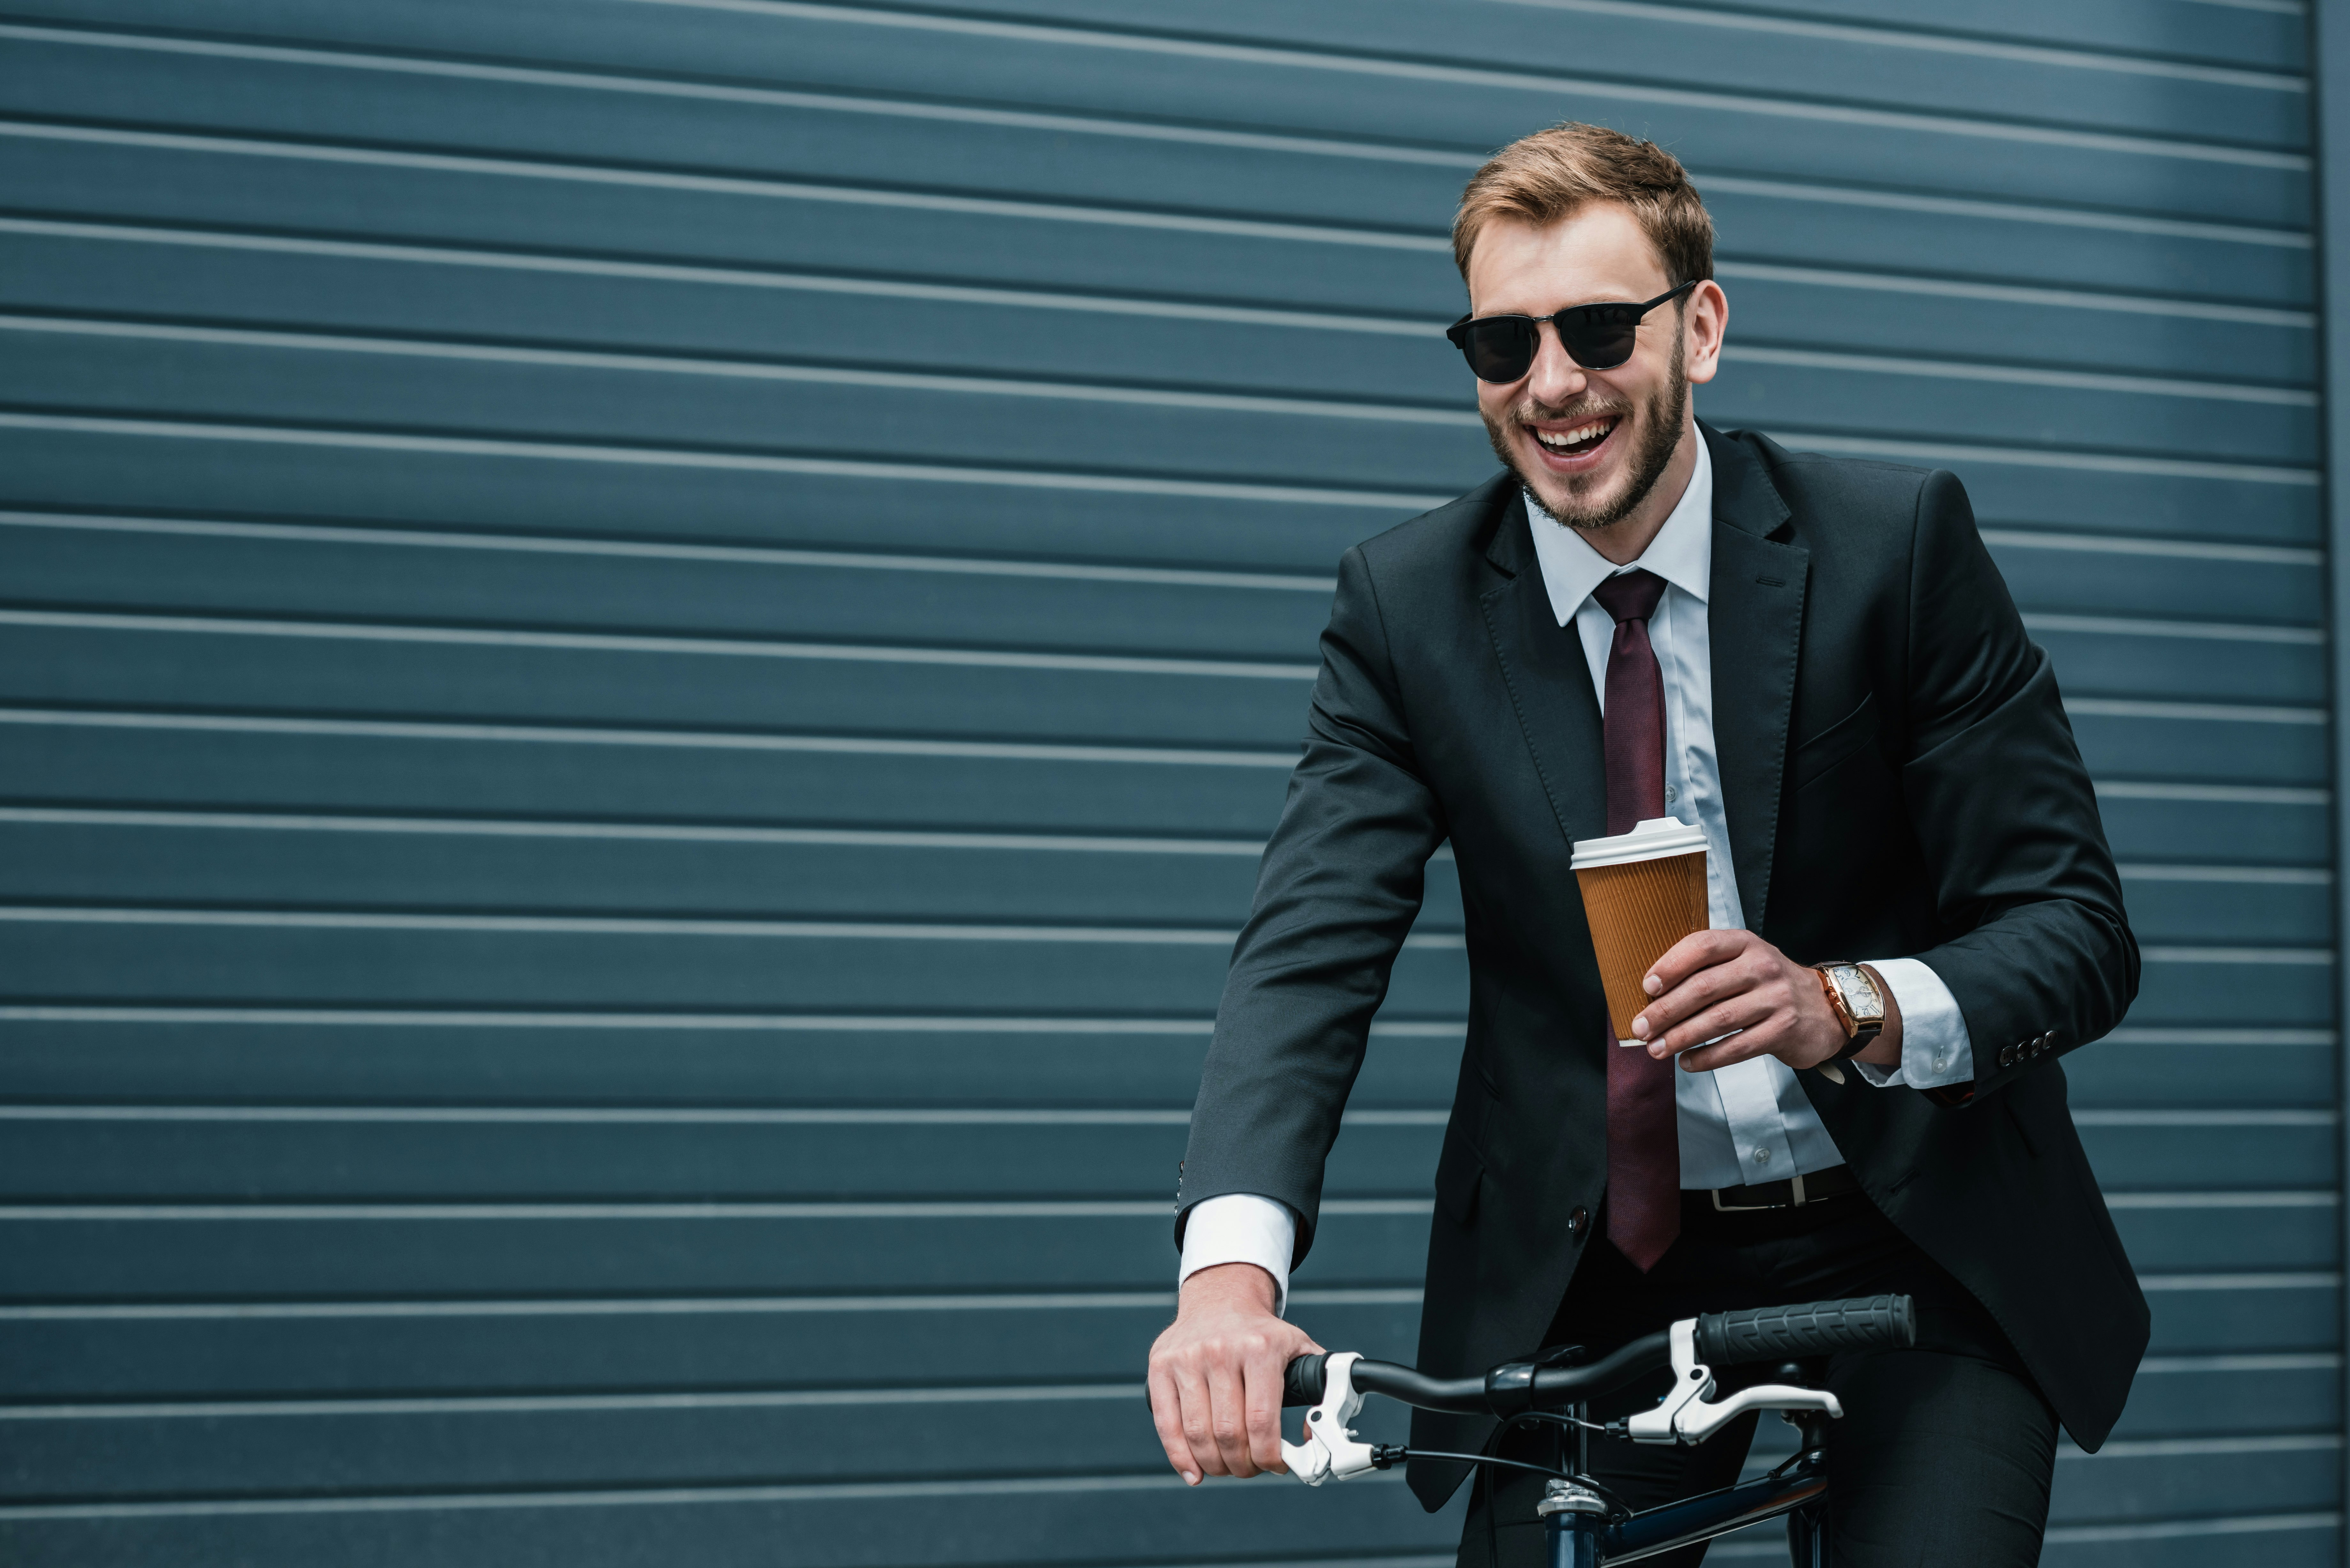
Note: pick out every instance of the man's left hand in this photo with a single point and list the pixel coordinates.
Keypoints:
(1734, 984)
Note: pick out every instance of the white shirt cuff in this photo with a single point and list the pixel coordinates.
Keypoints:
(1242, 1227)
(1934, 1049)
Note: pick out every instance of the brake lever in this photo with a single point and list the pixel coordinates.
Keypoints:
(1330, 1451)
(1684, 1417)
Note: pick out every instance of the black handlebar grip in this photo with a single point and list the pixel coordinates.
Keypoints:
(1815, 1328)
(1302, 1381)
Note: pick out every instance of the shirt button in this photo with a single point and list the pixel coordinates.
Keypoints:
(1761, 1157)
(1671, 793)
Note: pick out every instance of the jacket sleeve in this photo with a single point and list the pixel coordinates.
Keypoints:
(1336, 893)
(2040, 955)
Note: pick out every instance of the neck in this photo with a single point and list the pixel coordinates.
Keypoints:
(1626, 539)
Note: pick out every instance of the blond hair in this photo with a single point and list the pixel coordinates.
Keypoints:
(1554, 173)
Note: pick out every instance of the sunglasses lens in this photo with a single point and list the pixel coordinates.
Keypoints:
(1601, 337)
(1500, 348)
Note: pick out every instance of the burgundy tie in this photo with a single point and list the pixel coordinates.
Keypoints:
(1644, 1146)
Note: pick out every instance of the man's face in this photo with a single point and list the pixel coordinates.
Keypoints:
(1591, 444)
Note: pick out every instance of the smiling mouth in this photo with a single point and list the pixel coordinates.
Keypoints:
(1577, 441)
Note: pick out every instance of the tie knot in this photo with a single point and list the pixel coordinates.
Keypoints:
(1630, 596)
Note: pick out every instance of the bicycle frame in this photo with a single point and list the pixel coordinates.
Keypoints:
(1580, 1536)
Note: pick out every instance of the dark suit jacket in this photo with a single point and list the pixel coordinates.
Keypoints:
(1900, 780)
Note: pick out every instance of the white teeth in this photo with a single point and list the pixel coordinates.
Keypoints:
(1592, 432)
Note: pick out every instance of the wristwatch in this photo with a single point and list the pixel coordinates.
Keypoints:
(1857, 1003)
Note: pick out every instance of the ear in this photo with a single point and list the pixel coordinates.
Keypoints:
(1704, 323)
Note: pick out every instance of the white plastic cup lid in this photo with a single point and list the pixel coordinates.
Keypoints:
(1650, 840)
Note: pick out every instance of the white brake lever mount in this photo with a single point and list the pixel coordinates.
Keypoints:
(1330, 1451)
(1684, 1417)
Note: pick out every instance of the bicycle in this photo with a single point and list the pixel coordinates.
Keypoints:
(1586, 1527)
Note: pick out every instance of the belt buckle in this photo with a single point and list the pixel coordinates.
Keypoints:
(1795, 1192)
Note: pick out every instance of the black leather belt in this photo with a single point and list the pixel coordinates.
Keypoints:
(1812, 1187)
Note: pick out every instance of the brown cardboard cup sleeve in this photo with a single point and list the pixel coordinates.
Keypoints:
(1642, 892)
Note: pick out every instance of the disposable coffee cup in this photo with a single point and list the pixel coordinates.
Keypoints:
(1642, 892)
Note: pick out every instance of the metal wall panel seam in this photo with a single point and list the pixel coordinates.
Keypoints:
(2208, 630)
(600, 925)
(1161, 41)
(1938, 453)
(1787, 108)
(844, 1211)
(1887, 37)
(2282, 237)
(1091, 391)
(2245, 794)
(789, 190)
(485, 1404)
(915, 1024)
(744, 555)
(860, 1492)
(540, 1115)
(393, 534)
(657, 1306)
(855, 468)
(852, 1210)
(2178, 1530)
(907, 380)
(790, 1305)
(2140, 544)
(682, 833)
(615, 642)
(695, 740)
(2147, 1448)
(1109, 304)
(893, 839)
(2330, 58)
(1943, 453)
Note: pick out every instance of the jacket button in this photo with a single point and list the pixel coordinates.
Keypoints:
(1579, 1222)
(2007, 1055)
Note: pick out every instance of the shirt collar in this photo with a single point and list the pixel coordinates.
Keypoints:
(1681, 553)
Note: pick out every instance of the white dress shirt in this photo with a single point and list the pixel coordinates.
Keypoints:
(1745, 1123)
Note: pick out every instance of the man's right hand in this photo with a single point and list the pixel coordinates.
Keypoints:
(1215, 1375)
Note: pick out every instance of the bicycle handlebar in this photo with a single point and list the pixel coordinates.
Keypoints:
(1723, 1339)
(1815, 1328)
(1507, 1388)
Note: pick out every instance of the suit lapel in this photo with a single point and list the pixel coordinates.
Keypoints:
(1756, 621)
(1549, 681)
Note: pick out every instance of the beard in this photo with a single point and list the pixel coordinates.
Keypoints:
(1660, 431)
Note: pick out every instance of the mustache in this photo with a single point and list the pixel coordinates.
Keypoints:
(1532, 413)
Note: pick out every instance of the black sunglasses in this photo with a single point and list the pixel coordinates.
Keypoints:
(1595, 337)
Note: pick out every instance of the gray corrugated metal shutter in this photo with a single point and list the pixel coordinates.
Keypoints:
(646, 645)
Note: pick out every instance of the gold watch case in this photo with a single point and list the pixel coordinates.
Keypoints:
(1853, 996)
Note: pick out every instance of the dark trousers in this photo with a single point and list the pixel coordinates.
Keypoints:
(1945, 1451)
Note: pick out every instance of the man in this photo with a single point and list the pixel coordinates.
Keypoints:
(1816, 662)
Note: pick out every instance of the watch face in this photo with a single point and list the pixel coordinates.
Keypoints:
(1852, 984)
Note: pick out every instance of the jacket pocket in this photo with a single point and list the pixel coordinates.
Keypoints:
(1817, 755)
(1459, 1173)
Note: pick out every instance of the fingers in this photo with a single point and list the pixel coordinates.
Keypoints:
(1698, 950)
(1228, 1419)
(1748, 1010)
(1710, 987)
(1166, 1416)
(1199, 1422)
(1261, 1388)
(1215, 1385)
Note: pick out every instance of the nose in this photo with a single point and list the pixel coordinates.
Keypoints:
(1554, 376)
